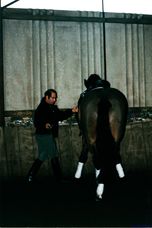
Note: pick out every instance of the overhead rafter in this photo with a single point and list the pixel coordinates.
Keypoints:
(9, 4)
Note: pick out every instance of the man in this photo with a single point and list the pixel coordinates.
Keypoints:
(46, 118)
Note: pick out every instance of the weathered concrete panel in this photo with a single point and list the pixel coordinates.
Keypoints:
(135, 148)
(39, 54)
(18, 150)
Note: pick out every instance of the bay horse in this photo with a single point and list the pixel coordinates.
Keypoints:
(102, 118)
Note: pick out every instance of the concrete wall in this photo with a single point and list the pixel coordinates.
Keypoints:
(58, 49)
(19, 149)
(46, 52)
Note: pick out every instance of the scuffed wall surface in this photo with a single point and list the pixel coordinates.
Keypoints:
(18, 153)
(39, 54)
(48, 55)
(128, 61)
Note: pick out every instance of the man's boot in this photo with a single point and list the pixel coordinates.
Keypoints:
(56, 168)
(33, 170)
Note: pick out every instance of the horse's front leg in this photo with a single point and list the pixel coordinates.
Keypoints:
(99, 172)
(100, 185)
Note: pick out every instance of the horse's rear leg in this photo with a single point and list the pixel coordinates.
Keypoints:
(79, 170)
(117, 161)
(120, 170)
(82, 159)
(99, 190)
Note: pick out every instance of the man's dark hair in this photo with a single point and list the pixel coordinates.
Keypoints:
(49, 92)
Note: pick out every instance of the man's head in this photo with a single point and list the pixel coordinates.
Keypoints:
(50, 96)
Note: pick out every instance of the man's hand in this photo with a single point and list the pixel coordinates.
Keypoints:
(75, 109)
(48, 126)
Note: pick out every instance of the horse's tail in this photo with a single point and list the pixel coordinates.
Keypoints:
(104, 141)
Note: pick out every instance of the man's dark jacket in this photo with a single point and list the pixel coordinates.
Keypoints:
(46, 113)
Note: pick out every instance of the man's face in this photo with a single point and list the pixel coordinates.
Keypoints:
(52, 100)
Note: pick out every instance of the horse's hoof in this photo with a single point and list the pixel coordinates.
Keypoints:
(99, 190)
(98, 199)
(77, 180)
(77, 177)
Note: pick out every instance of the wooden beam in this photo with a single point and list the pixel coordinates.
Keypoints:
(59, 15)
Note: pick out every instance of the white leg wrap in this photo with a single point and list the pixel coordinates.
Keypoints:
(120, 170)
(99, 190)
(79, 170)
(97, 171)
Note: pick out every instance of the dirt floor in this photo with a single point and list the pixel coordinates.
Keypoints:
(71, 203)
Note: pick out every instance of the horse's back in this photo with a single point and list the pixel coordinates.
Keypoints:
(109, 94)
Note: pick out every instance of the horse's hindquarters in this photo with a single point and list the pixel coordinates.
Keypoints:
(89, 122)
(103, 109)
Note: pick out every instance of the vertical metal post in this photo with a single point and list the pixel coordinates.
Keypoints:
(2, 120)
(104, 42)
